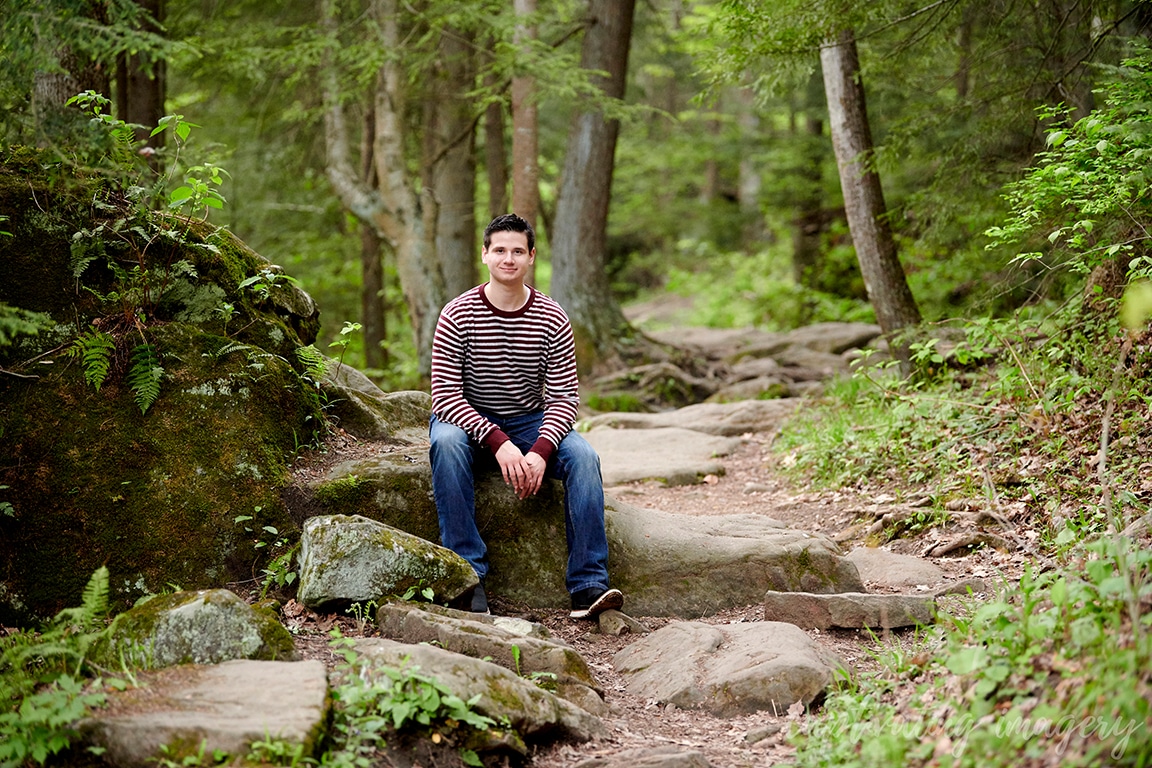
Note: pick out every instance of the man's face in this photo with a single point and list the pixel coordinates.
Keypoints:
(508, 258)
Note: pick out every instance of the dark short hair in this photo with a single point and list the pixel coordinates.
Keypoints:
(509, 222)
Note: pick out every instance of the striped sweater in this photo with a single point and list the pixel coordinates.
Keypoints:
(505, 364)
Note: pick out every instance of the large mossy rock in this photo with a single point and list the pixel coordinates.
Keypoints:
(205, 627)
(666, 564)
(90, 478)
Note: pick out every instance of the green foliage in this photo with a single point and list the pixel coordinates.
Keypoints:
(269, 542)
(15, 322)
(1089, 194)
(1053, 671)
(144, 376)
(43, 685)
(366, 715)
(94, 348)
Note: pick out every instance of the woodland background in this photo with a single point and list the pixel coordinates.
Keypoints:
(661, 146)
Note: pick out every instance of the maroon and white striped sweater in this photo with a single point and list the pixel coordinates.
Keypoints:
(506, 364)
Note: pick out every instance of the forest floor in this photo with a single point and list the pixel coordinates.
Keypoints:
(750, 483)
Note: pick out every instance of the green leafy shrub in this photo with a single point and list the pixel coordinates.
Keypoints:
(44, 680)
(1054, 672)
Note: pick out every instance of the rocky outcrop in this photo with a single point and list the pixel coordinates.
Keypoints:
(187, 712)
(730, 669)
(528, 651)
(656, 757)
(667, 565)
(91, 475)
(205, 627)
(849, 610)
(671, 456)
(351, 559)
(724, 419)
(504, 696)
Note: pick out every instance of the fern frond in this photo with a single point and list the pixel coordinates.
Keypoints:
(86, 248)
(313, 360)
(229, 348)
(94, 348)
(144, 376)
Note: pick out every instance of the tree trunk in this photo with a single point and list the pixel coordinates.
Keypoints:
(750, 182)
(394, 208)
(453, 164)
(525, 129)
(863, 197)
(140, 84)
(579, 233)
(808, 226)
(373, 305)
(495, 157)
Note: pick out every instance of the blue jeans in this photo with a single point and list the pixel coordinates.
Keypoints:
(574, 463)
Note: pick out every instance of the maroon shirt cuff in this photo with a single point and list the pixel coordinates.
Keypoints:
(495, 439)
(543, 447)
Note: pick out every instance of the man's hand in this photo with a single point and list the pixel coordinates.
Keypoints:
(525, 473)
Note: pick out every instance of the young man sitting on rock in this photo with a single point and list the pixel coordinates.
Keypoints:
(504, 380)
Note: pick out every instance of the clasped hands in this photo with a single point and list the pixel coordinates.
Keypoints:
(524, 472)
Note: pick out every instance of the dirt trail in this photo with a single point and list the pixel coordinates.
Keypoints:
(749, 484)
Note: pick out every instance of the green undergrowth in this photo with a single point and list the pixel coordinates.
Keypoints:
(1045, 421)
(1056, 671)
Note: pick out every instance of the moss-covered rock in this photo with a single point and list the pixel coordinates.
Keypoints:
(91, 479)
(351, 559)
(666, 564)
(205, 627)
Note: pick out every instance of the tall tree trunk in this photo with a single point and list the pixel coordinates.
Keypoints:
(808, 225)
(580, 231)
(140, 83)
(495, 156)
(525, 128)
(373, 306)
(453, 163)
(750, 182)
(863, 196)
(395, 207)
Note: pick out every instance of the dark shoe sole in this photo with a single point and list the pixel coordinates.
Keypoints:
(612, 600)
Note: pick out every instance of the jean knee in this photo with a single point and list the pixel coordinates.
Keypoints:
(448, 442)
(578, 454)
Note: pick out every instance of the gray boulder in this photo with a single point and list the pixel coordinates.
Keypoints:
(367, 412)
(205, 627)
(667, 565)
(533, 712)
(729, 670)
(534, 655)
(891, 569)
(191, 711)
(725, 419)
(656, 757)
(348, 559)
(849, 610)
(671, 455)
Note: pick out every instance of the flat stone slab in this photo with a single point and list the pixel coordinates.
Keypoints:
(724, 419)
(483, 637)
(657, 757)
(223, 707)
(672, 455)
(849, 610)
(533, 712)
(891, 569)
(727, 669)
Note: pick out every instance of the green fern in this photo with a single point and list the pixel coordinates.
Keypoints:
(94, 348)
(314, 363)
(144, 376)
